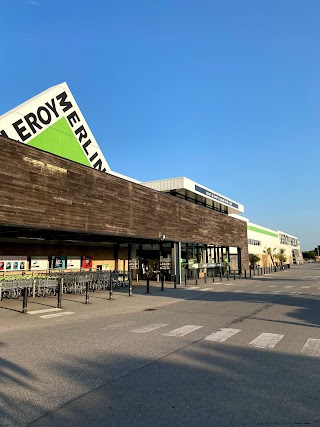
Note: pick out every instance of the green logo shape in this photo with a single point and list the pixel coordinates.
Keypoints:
(59, 139)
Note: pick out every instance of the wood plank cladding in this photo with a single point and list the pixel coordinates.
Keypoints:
(42, 190)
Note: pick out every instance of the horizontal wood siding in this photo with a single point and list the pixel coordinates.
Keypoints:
(42, 190)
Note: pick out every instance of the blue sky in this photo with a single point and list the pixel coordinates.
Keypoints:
(224, 92)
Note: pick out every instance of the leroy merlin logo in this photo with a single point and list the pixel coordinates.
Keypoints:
(55, 124)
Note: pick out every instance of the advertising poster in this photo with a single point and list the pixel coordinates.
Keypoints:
(10, 263)
(86, 262)
(58, 262)
(73, 263)
(39, 263)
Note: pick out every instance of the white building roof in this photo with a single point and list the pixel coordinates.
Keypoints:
(193, 188)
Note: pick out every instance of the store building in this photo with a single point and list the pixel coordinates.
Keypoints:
(267, 244)
(63, 207)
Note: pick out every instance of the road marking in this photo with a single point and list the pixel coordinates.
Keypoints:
(266, 340)
(229, 284)
(50, 316)
(46, 310)
(149, 328)
(206, 289)
(288, 287)
(180, 332)
(222, 334)
(238, 291)
(277, 292)
(312, 347)
(192, 287)
(271, 286)
(304, 287)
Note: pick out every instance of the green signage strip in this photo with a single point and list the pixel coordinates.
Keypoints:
(259, 230)
(60, 140)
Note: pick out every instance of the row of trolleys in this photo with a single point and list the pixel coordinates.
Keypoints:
(71, 283)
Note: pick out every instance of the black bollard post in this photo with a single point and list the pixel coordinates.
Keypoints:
(185, 280)
(228, 274)
(220, 276)
(25, 300)
(130, 284)
(245, 273)
(162, 282)
(213, 274)
(111, 290)
(175, 282)
(250, 271)
(205, 277)
(87, 293)
(196, 280)
(254, 271)
(234, 275)
(60, 288)
(148, 285)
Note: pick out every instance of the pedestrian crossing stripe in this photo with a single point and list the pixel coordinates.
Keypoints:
(264, 340)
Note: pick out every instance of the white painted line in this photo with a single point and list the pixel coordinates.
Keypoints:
(222, 335)
(304, 287)
(277, 292)
(206, 289)
(50, 316)
(288, 287)
(271, 286)
(149, 328)
(312, 347)
(229, 284)
(180, 332)
(266, 340)
(240, 290)
(192, 287)
(46, 310)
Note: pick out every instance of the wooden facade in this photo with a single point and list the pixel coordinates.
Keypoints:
(43, 191)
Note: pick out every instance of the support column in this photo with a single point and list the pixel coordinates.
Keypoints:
(177, 262)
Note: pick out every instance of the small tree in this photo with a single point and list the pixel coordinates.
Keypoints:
(253, 258)
(270, 252)
(281, 256)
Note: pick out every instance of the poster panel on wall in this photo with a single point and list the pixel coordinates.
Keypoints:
(58, 262)
(10, 263)
(86, 262)
(73, 263)
(39, 263)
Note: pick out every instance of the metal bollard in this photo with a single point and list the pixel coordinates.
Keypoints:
(228, 275)
(185, 280)
(205, 277)
(245, 273)
(162, 282)
(220, 276)
(213, 276)
(175, 282)
(250, 271)
(111, 291)
(196, 280)
(25, 300)
(87, 293)
(234, 275)
(130, 285)
(60, 288)
(148, 285)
